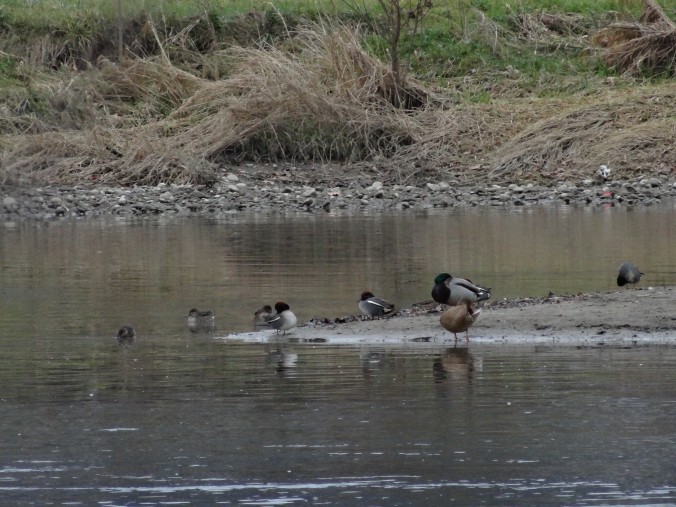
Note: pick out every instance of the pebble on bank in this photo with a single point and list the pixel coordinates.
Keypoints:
(238, 193)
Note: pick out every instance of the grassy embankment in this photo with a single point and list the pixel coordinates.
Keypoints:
(90, 92)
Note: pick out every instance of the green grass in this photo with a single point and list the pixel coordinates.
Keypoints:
(452, 41)
(54, 12)
(7, 66)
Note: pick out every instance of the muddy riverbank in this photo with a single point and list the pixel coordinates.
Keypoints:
(628, 317)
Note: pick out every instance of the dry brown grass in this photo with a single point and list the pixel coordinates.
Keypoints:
(325, 99)
(109, 130)
(321, 97)
(647, 47)
(632, 132)
(550, 32)
(103, 156)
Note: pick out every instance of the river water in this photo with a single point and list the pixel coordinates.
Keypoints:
(182, 418)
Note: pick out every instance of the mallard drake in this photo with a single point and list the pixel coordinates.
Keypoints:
(201, 321)
(373, 306)
(284, 319)
(628, 273)
(448, 290)
(126, 335)
(459, 318)
(261, 315)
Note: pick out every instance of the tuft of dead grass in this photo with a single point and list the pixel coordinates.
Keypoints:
(150, 80)
(103, 156)
(550, 32)
(645, 47)
(325, 99)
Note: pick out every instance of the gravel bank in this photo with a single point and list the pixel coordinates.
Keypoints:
(268, 188)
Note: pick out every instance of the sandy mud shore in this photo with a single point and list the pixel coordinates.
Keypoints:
(621, 318)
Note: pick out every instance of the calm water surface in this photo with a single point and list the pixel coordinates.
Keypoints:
(86, 278)
(180, 418)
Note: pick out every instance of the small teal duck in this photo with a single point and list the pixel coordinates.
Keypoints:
(201, 321)
(284, 319)
(459, 318)
(373, 306)
(628, 273)
(126, 335)
(448, 290)
(261, 315)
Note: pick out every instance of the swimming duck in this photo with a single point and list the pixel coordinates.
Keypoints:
(201, 321)
(628, 273)
(373, 306)
(284, 319)
(261, 315)
(126, 335)
(449, 291)
(459, 318)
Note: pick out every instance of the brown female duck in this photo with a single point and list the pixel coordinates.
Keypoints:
(459, 318)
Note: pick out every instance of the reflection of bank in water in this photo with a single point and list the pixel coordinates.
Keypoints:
(454, 364)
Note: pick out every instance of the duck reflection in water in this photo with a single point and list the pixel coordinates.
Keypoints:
(284, 360)
(371, 360)
(454, 364)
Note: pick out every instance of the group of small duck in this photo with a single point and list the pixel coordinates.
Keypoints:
(459, 294)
